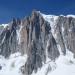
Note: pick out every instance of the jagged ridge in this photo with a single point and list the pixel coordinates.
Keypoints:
(39, 36)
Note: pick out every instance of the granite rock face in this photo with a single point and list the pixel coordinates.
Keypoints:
(40, 42)
(8, 40)
(64, 30)
(33, 36)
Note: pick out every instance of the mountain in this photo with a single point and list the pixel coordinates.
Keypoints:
(38, 44)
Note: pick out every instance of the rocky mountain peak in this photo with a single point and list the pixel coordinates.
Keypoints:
(42, 37)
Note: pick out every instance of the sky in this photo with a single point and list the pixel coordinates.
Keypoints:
(22, 8)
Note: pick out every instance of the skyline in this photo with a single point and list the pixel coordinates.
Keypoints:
(22, 8)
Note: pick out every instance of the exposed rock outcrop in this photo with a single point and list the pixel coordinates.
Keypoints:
(64, 30)
(40, 39)
(31, 36)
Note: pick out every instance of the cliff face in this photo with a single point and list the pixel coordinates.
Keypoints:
(40, 42)
(8, 40)
(62, 29)
(39, 37)
(67, 31)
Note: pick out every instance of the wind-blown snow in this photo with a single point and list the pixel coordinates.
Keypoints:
(12, 65)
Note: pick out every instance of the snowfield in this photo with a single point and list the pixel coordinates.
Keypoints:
(64, 65)
(12, 65)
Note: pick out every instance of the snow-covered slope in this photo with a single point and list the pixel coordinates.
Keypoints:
(64, 65)
(12, 65)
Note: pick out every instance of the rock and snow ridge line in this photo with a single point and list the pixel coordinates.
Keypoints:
(52, 20)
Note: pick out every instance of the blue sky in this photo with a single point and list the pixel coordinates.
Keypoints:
(21, 8)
